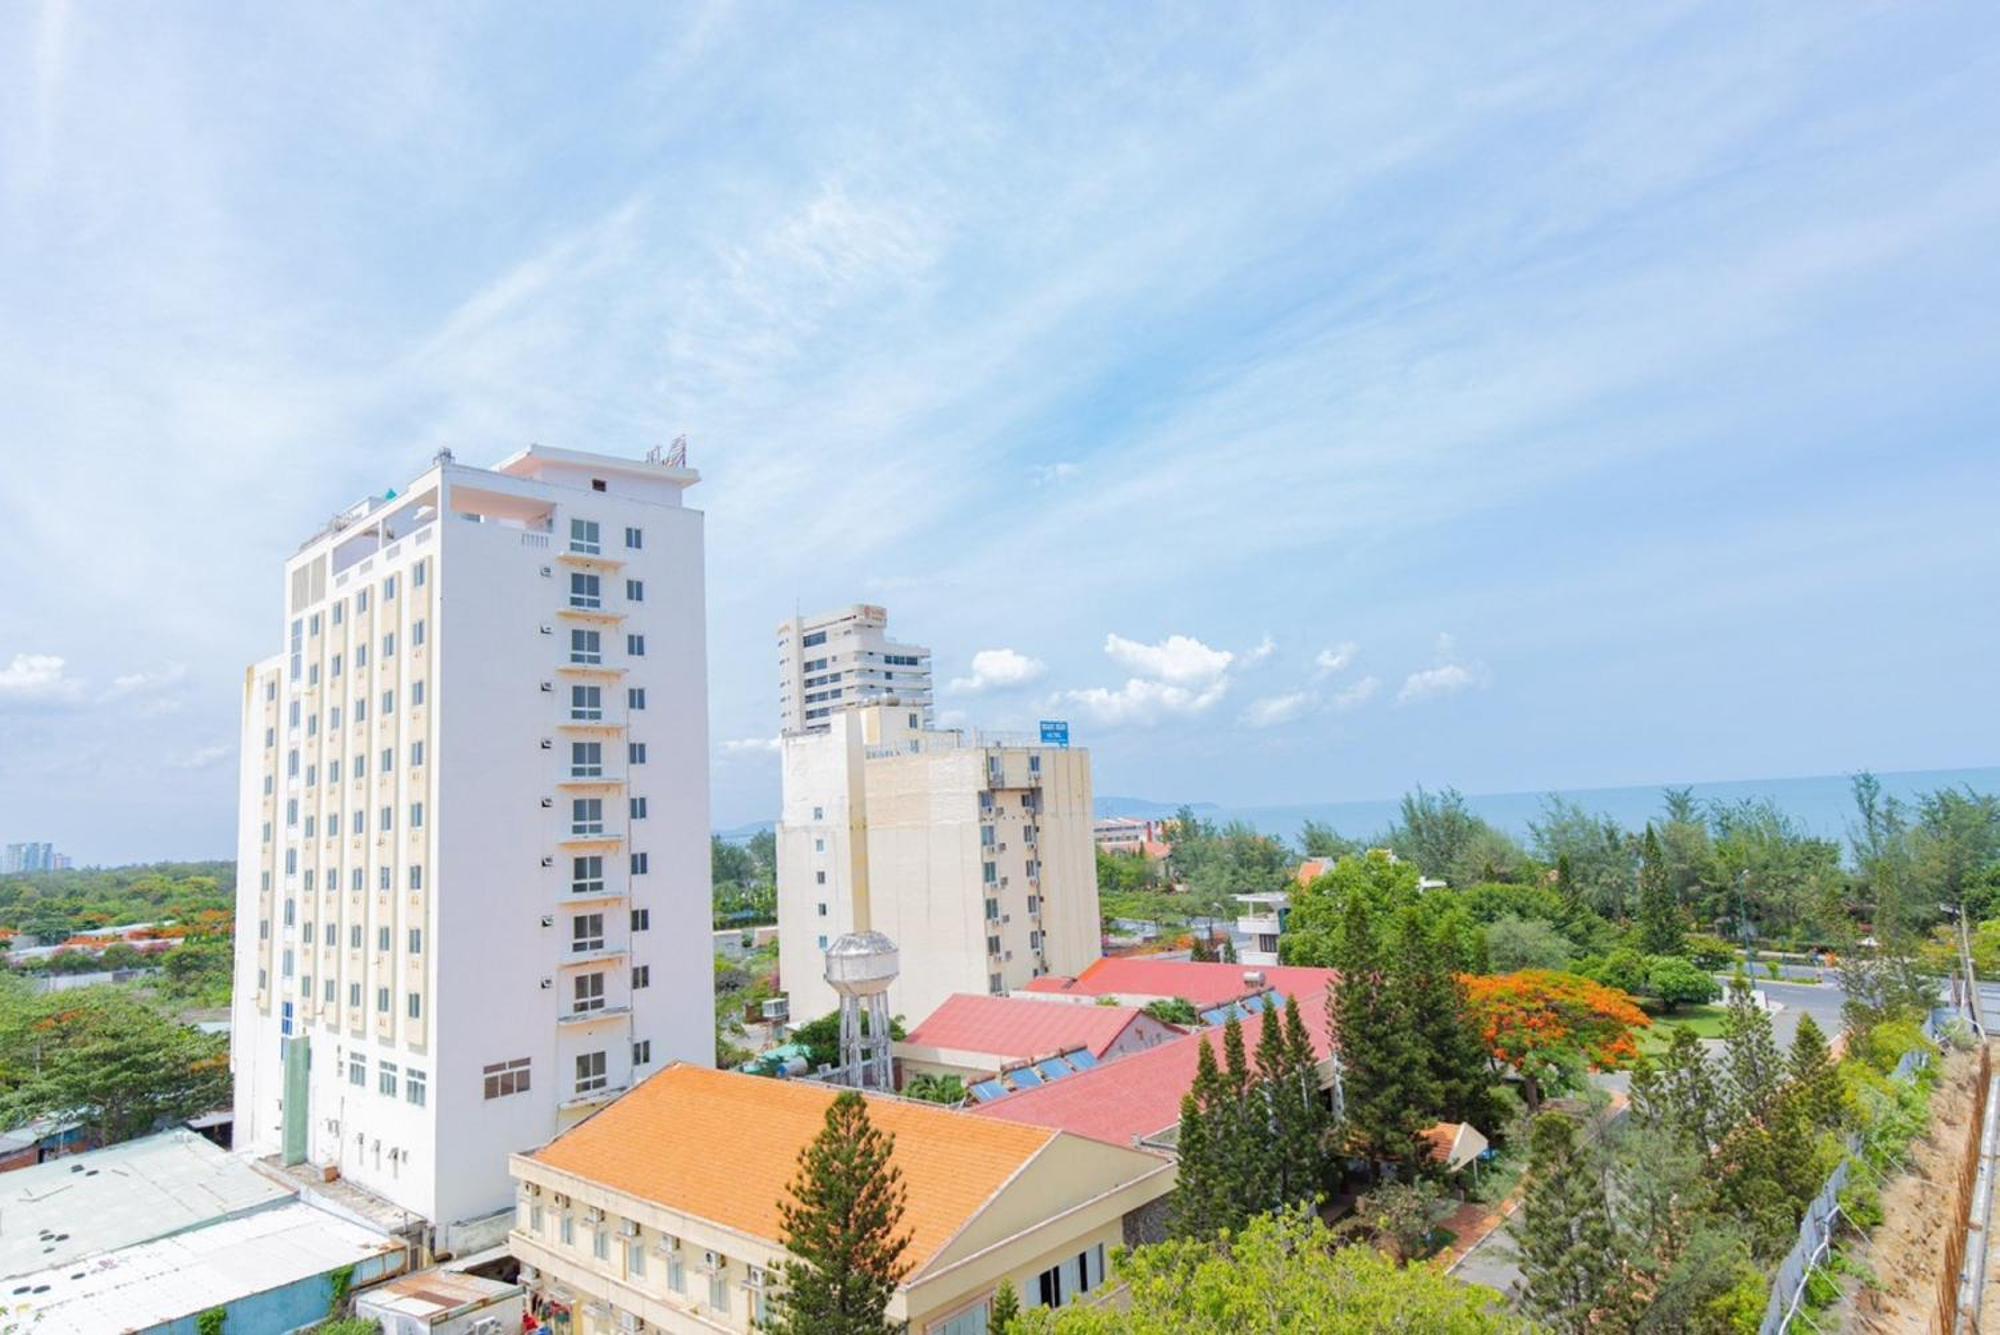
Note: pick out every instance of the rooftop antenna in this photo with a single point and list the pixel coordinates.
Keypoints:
(674, 456)
(443, 456)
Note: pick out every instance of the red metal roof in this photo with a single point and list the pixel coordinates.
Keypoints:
(1004, 1027)
(1205, 985)
(1133, 1097)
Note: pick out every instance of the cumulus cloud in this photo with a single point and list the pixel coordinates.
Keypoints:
(1273, 710)
(1179, 676)
(1265, 648)
(147, 683)
(1357, 695)
(1449, 677)
(1000, 669)
(743, 746)
(1178, 660)
(1336, 659)
(38, 679)
(206, 757)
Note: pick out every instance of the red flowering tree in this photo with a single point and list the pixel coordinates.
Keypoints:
(1550, 1027)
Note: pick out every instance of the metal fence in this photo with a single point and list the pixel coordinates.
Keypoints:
(1788, 1287)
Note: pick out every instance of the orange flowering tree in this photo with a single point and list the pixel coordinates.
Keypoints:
(1550, 1027)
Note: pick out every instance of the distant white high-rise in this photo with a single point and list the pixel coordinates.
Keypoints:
(16, 858)
(473, 902)
(843, 660)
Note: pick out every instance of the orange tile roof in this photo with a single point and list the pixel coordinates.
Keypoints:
(724, 1147)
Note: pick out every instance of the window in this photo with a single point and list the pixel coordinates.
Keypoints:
(417, 634)
(388, 817)
(993, 946)
(381, 1001)
(718, 1283)
(389, 645)
(992, 910)
(635, 697)
(420, 573)
(568, 1230)
(642, 1052)
(993, 983)
(354, 937)
(822, 910)
(589, 994)
(635, 590)
(756, 1286)
(586, 876)
(382, 938)
(586, 933)
(642, 977)
(413, 1005)
(388, 760)
(329, 991)
(293, 713)
(357, 1069)
(641, 863)
(635, 753)
(638, 808)
(586, 760)
(635, 1258)
(388, 702)
(586, 815)
(387, 1079)
(586, 703)
(585, 647)
(534, 1216)
(677, 1279)
(642, 920)
(381, 878)
(416, 940)
(819, 878)
(416, 694)
(635, 538)
(355, 877)
(333, 725)
(360, 659)
(817, 637)
(822, 943)
(334, 671)
(585, 590)
(583, 537)
(415, 1090)
(388, 588)
(360, 709)
(590, 1072)
(600, 1244)
(504, 1078)
(332, 934)
(416, 820)
(417, 750)
(990, 872)
(635, 645)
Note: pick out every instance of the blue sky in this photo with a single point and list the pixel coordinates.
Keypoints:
(1305, 401)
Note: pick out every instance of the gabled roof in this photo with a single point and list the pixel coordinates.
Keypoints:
(1139, 977)
(724, 1147)
(1017, 1029)
(1139, 1096)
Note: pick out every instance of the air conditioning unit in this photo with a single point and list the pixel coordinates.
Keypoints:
(534, 1188)
(548, 920)
(548, 983)
(593, 1215)
(548, 802)
(548, 688)
(547, 629)
(668, 1246)
(629, 1323)
(562, 1201)
(548, 862)
(628, 1228)
(547, 572)
(711, 1261)
(548, 744)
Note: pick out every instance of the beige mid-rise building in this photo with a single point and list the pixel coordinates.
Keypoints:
(843, 660)
(973, 854)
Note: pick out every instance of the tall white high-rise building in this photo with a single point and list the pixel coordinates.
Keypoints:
(473, 892)
(973, 854)
(843, 660)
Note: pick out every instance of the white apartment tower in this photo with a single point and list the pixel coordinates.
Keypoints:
(972, 854)
(473, 896)
(842, 660)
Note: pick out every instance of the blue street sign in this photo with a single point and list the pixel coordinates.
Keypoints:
(1055, 732)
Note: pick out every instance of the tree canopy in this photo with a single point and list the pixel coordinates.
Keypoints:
(843, 1229)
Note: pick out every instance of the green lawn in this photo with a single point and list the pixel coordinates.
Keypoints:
(1705, 1021)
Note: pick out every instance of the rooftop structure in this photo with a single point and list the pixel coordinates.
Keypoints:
(440, 1301)
(977, 1037)
(686, 1173)
(1262, 923)
(1137, 1099)
(1137, 980)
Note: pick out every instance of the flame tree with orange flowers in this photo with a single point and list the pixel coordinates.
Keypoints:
(1551, 1027)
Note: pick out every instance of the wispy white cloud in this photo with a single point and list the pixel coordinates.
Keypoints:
(1000, 669)
(750, 746)
(203, 757)
(1178, 676)
(1336, 659)
(1357, 695)
(1273, 710)
(38, 679)
(1448, 677)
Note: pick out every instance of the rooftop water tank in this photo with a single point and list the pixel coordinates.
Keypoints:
(861, 964)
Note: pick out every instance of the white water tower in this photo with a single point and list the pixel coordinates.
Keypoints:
(859, 968)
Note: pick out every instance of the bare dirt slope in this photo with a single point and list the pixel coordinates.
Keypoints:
(1906, 1252)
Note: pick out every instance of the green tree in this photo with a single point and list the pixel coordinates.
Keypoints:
(1319, 910)
(108, 1055)
(1567, 1244)
(1293, 1128)
(1676, 1092)
(1515, 943)
(1753, 1071)
(1426, 964)
(1660, 927)
(1319, 840)
(1204, 1188)
(1283, 1272)
(1594, 848)
(1677, 982)
(1439, 833)
(1006, 1309)
(935, 1088)
(1386, 1079)
(842, 1229)
(1815, 1079)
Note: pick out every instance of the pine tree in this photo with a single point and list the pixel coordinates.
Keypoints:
(1288, 1081)
(1005, 1311)
(1660, 931)
(1201, 1198)
(1237, 1126)
(1676, 1092)
(1752, 1069)
(840, 1228)
(1814, 1078)
(1564, 1233)
(1385, 1073)
(1456, 1061)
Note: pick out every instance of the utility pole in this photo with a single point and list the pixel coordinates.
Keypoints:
(1971, 979)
